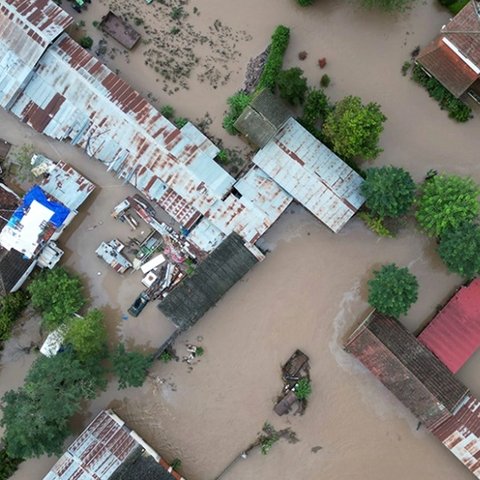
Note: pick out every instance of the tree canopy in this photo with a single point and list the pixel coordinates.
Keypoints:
(36, 415)
(459, 249)
(57, 295)
(292, 85)
(131, 368)
(353, 129)
(389, 191)
(446, 202)
(393, 290)
(87, 335)
(388, 5)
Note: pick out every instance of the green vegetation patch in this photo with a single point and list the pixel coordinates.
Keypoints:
(456, 108)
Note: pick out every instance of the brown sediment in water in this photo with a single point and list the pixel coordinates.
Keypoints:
(310, 290)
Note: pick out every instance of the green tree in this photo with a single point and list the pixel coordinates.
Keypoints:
(8, 465)
(315, 108)
(22, 157)
(57, 295)
(11, 306)
(87, 335)
(237, 104)
(354, 129)
(446, 202)
(388, 5)
(36, 415)
(459, 249)
(392, 290)
(86, 42)
(131, 368)
(389, 191)
(292, 85)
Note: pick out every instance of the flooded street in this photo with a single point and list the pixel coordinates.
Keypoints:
(310, 290)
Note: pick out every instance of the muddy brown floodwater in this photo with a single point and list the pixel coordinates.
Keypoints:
(309, 291)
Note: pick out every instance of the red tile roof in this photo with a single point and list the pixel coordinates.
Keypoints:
(451, 66)
(454, 334)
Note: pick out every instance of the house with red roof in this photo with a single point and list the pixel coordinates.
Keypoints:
(453, 57)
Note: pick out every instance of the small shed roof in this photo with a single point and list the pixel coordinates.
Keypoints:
(120, 30)
(224, 267)
(453, 58)
(312, 174)
(454, 333)
(407, 368)
(13, 266)
(261, 120)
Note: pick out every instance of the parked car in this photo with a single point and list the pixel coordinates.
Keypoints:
(138, 305)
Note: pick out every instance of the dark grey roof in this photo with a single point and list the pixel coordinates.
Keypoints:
(262, 119)
(139, 466)
(13, 265)
(224, 267)
(407, 368)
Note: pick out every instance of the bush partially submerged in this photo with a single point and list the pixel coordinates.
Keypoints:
(456, 108)
(237, 103)
(273, 65)
(10, 308)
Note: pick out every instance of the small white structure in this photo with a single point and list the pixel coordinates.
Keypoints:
(53, 343)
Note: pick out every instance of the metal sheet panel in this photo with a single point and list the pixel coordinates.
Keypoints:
(454, 333)
(312, 174)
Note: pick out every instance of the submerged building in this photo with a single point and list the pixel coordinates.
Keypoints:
(108, 450)
(31, 225)
(420, 371)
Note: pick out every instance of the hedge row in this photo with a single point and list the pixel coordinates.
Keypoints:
(456, 108)
(273, 65)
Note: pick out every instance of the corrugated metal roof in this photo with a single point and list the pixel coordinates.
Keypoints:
(312, 174)
(407, 368)
(26, 29)
(256, 204)
(74, 96)
(100, 450)
(454, 333)
(461, 434)
(66, 184)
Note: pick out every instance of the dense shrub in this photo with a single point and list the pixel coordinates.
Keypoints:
(454, 6)
(237, 103)
(305, 3)
(167, 111)
(10, 308)
(273, 65)
(456, 108)
(375, 224)
(86, 42)
(292, 85)
(180, 122)
(315, 108)
(8, 465)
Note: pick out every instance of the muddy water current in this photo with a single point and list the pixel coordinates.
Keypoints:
(310, 290)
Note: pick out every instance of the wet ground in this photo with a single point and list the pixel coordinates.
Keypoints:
(307, 294)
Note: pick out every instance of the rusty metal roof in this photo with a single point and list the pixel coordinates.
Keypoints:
(98, 451)
(255, 204)
(454, 333)
(74, 96)
(407, 368)
(460, 433)
(312, 174)
(64, 183)
(26, 29)
(120, 30)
